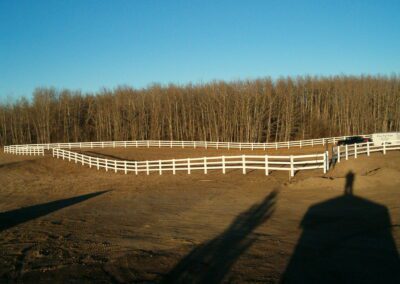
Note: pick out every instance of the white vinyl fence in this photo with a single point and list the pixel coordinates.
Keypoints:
(266, 163)
(184, 144)
(27, 150)
(345, 151)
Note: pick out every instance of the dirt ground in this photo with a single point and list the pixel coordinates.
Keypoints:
(64, 223)
(140, 154)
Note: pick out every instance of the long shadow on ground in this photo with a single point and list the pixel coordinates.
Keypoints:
(15, 217)
(347, 239)
(211, 261)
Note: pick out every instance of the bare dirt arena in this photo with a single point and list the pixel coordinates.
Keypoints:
(61, 222)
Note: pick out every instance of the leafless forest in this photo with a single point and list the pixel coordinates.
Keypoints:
(259, 110)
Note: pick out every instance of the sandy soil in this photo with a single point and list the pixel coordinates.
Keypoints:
(60, 222)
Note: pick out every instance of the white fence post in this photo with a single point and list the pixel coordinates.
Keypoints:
(136, 167)
(347, 152)
(148, 144)
(223, 165)
(115, 165)
(368, 148)
(98, 164)
(159, 167)
(355, 150)
(125, 169)
(291, 166)
(106, 165)
(147, 167)
(244, 164)
(338, 154)
(384, 148)
(188, 163)
(327, 160)
(173, 166)
(266, 165)
(205, 165)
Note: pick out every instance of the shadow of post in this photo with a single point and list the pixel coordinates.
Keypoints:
(211, 261)
(15, 217)
(347, 239)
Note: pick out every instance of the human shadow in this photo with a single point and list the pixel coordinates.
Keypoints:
(15, 217)
(346, 239)
(211, 261)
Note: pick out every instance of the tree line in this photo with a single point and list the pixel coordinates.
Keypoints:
(262, 110)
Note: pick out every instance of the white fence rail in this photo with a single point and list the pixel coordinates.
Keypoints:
(346, 151)
(184, 144)
(266, 163)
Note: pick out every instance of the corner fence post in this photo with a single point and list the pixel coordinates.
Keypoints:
(244, 164)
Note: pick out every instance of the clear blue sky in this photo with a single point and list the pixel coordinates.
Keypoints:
(87, 45)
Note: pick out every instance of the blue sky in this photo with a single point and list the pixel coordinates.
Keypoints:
(88, 45)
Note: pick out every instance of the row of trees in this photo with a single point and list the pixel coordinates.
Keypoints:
(259, 110)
